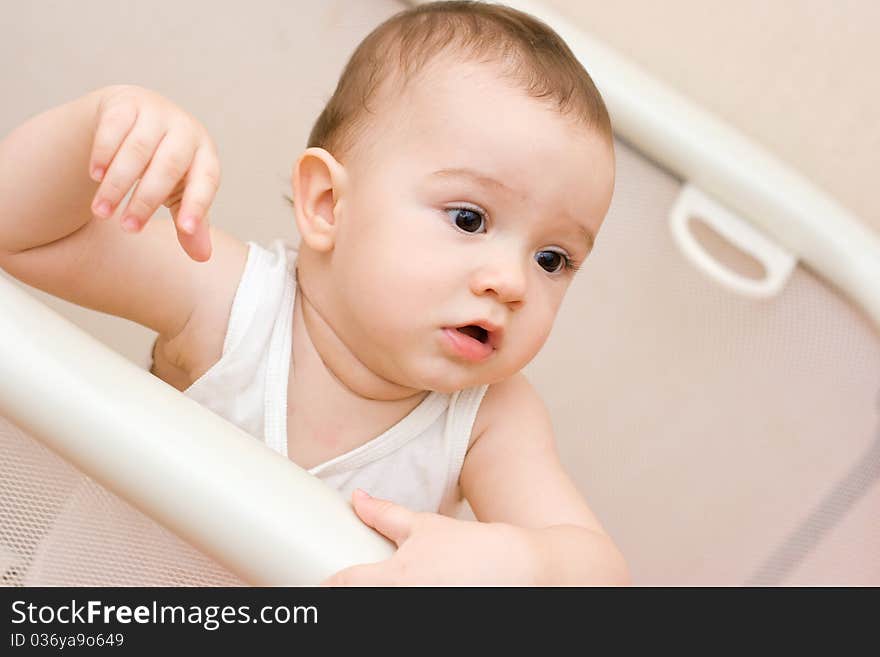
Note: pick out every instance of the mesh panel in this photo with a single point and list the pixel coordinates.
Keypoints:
(60, 528)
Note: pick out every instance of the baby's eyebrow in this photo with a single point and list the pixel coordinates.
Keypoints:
(478, 177)
(588, 236)
(580, 230)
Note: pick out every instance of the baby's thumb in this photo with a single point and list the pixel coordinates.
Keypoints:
(198, 244)
(386, 517)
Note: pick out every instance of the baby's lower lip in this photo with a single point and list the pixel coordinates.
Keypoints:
(467, 347)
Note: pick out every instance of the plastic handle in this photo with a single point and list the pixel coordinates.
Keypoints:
(777, 262)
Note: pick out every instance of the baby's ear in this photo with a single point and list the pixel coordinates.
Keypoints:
(317, 180)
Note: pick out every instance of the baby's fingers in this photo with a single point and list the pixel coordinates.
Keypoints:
(128, 164)
(203, 181)
(167, 168)
(114, 125)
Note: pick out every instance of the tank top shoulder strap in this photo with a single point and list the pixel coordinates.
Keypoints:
(253, 288)
(235, 387)
(463, 407)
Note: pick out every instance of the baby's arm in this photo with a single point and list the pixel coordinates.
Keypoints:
(512, 475)
(50, 238)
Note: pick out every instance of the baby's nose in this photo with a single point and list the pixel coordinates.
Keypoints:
(504, 277)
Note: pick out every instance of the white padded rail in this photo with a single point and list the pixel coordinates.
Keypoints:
(258, 514)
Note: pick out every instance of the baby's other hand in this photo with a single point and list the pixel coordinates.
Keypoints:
(141, 137)
(437, 550)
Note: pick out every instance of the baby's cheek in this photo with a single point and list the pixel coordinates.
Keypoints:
(535, 338)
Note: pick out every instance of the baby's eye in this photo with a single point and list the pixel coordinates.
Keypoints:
(470, 221)
(551, 261)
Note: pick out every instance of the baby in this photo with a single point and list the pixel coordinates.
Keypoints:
(450, 190)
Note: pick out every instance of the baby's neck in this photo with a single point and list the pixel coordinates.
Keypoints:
(340, 363)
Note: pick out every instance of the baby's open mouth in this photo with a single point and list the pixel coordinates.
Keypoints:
(473, 342)
(476, 332)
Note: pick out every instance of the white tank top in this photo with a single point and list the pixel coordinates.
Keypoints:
(415, 463)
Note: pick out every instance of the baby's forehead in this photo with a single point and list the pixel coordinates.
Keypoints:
(451, 89)
(466, 124)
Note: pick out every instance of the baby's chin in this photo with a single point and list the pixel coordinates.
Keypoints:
(448, 377)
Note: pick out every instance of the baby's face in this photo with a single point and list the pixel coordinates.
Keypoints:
(463, 207)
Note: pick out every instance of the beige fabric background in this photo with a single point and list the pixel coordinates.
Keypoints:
(795, 75)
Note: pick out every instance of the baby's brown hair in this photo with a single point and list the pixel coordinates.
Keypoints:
(527, 51)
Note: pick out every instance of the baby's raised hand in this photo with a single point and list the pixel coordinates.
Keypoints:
(141, 137)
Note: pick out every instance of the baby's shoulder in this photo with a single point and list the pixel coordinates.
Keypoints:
(501, 399)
